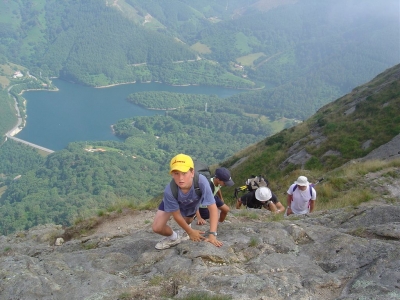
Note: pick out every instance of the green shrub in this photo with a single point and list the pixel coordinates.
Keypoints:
(253, 242)
(313, 164)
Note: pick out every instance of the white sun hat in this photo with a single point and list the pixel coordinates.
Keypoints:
(263, 194)
(302, 181)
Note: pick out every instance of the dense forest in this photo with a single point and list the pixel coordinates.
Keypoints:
(81, 179)
(70, 184)
(290, 57)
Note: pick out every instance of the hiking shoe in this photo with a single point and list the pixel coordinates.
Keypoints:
(224, 221)
(166, 243)
(185, 236)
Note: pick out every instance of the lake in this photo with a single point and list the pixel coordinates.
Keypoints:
(80, 113)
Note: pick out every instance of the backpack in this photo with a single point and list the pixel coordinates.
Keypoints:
(254, 182)
(251, 184)
(199, 168)
(312, 185)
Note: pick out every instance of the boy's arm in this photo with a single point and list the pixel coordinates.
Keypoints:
(276, 207)
(213, 225)
(280, 207)
(195, 235)
(289, 201)
(200, 220)
(313, 198)
(312, 205)
(220, 195)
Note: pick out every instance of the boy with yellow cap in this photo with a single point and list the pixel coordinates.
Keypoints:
(184, 208)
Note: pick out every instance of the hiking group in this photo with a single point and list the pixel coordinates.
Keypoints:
(193, 193)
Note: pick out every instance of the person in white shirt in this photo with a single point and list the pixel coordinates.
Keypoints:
(301, 197)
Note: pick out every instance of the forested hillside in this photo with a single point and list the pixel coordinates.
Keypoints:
(304, 52)
(89, 42)
(311, 52)
(7, 118)
(70, 184)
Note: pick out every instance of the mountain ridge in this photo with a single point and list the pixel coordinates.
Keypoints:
(347, 249)
(324, 142)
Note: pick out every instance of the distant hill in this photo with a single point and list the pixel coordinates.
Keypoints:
(299, 54)
(98, 43)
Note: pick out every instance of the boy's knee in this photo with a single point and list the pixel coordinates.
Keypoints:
(156, 228)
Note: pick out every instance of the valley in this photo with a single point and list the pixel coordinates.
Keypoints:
(286, 63)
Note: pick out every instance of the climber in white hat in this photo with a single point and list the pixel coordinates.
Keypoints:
(301, 197)
(261, 197)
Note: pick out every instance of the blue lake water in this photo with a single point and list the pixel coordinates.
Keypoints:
(80, 113)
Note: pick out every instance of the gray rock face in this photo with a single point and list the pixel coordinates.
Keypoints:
(390, 150)
(340, 254)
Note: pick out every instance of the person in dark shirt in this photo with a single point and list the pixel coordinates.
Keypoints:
(262, 197)
(221, 178)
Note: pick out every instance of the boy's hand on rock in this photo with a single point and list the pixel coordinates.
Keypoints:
(213, 240)
(201, 221)
(196, 235)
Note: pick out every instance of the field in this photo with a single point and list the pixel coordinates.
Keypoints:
(248, 60)
(276, 125)
(201, 48)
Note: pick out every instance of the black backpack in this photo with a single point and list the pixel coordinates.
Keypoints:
(199, 168)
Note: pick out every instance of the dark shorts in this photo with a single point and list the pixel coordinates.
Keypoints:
(204, 213)
(161, 207)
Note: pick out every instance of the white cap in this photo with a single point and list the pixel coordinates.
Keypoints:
(302, 181)
(263, 194)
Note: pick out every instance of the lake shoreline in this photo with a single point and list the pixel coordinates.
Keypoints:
(173, 85)
(82, 113)
(29, 90)
(111, 85)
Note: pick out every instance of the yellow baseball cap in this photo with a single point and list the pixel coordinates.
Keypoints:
(181, 162)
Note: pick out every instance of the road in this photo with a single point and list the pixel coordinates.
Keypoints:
(29, 144)
(17, 129)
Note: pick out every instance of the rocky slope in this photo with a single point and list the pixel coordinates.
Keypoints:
(351, 253)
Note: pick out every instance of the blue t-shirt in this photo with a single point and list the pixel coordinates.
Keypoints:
(188, 203)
